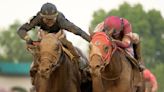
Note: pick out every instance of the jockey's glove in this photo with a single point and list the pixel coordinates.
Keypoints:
(29, 42)
(28, 39)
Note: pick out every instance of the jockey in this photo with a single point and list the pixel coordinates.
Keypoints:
(149, 77)
(121, 32)
(50, 20)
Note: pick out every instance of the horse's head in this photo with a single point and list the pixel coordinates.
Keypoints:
(100, 49)
(55, 68)
(50, 52)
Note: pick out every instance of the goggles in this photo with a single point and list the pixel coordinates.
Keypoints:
(49, 16)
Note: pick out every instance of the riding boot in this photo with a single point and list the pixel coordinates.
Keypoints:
(138, 56)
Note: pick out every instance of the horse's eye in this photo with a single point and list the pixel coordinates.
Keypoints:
(106, 48)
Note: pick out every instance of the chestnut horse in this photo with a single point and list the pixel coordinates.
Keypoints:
(56, 71)
(110, 70)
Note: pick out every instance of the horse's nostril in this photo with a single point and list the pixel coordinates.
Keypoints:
(97, 66)
(47, 69)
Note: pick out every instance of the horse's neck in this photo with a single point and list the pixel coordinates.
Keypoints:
(58, 76)
(113, 69)
(63, 77)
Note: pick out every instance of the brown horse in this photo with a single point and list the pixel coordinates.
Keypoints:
(111, 71)
(56, 71)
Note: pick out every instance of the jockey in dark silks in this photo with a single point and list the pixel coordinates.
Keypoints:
(121, 32)
(50, 20)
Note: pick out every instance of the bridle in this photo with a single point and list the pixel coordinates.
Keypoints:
(105, 60)
(52, 58)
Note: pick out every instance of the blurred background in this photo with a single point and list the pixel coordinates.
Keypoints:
(146, 17)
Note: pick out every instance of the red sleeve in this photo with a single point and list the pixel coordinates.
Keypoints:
(122, 44)
(127, 27)
(127, 31)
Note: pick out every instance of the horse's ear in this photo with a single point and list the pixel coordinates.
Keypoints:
(58, 34)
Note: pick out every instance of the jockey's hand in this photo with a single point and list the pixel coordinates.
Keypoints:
(115, 41)
(29, 42)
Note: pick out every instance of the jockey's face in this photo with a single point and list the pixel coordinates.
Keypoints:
(116, 34)
(49, 21)
(111, 31)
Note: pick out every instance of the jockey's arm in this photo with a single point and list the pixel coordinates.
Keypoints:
(22, 31)
(69, 26)
(127, 35)
(125, 43)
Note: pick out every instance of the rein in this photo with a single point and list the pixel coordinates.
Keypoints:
(118, 76)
